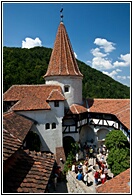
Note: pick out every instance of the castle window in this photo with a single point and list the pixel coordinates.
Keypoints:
(56, 104)
(47, 126)
(53, 125)
(66, 88)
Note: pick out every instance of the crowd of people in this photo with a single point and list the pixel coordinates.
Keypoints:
(99, 168)
(82, 171)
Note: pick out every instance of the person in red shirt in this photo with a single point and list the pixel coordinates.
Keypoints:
(103, 177)
(96, 176)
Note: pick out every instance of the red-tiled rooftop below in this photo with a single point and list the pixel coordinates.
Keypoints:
(31, 97)
(62, 61)
(10, 144)
(119, 184)
(30, 173)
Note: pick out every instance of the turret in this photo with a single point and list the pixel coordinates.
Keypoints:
(63, 68)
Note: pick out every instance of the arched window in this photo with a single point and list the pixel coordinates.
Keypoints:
(53, 125)
(47, 126)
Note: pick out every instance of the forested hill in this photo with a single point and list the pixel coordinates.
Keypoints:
(28, 66)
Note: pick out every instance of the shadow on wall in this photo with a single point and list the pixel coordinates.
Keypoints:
(44, 147)
(67, 140)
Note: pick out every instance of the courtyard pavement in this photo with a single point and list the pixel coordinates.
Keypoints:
(62, 186)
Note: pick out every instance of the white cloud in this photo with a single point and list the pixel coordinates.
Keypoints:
(31, 43)
(106, 45)
(118, 70)
(88, 62)
(115, 76)
(101, 63)
(75, 55)
(122, 77)
(125, 57)
(96, 52)
(111, 74)
(125, 61)
(100, 60)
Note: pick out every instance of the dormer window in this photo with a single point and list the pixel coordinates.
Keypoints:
(56, 103)
(66, 88)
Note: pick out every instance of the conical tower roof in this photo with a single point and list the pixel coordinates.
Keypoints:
(62, 61)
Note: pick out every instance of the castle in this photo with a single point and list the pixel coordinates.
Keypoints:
(59, 112)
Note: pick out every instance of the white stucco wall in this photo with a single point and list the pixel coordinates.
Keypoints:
(50, 138)
(75, 83)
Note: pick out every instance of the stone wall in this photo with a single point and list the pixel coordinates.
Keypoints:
(74, 185)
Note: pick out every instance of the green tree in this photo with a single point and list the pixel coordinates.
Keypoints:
(28, 66)
(119, 152)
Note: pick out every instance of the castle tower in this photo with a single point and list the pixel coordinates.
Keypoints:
(63, 68)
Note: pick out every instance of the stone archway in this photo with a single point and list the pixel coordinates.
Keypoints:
(67, 140)
(87, 135)
(101, 135)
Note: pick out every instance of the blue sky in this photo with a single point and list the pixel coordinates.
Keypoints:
(99, 32)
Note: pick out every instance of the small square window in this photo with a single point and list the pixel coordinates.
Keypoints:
(56, 104)
(66, 89)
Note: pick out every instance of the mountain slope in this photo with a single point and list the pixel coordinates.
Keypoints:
(28, 66)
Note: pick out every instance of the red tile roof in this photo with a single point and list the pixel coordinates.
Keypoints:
(77, 109)
(119, 107)
(31, 97)
(62, 61)
(29, 174)
(16, 124)
(10, 144)
(119, 184)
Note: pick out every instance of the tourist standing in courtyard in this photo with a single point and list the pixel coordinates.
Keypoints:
(96, 177)
(91, 152)
(79, 176)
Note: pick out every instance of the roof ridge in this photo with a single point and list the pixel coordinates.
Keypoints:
(66, 57)
(54, 90)
(12, 135)
(74, 105)
(7, 113)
